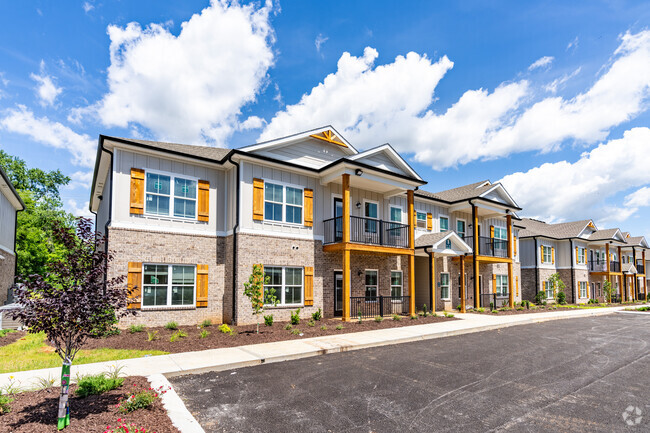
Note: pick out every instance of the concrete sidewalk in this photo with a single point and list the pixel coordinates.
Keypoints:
(243, 356)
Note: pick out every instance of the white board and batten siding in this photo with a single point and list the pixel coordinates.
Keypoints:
(7, 224)
(104, 204)
(309, 153)
(125, 160)
(380, 160)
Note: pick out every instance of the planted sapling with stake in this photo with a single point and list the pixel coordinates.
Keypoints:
(259, 297)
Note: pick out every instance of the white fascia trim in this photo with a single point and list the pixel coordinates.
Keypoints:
(163, 154)
(499, 186)
(11, 197)
(282, 141)
(170, 230)
(7, 250)
(280, 234)
(392, 154)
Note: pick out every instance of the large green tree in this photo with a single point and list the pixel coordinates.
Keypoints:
(35, 244)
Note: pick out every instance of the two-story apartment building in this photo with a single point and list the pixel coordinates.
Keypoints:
(10, 205)
(334, 228)
(584, 258)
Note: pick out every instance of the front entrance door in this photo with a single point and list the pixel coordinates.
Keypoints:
(338, 293)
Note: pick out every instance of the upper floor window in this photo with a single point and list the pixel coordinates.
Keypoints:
(500, 233)
(282, 203)
(170, 196)
(460, 228)
(547, 254)
(371, 211)
(444, 224)
(421, 220)
(582, 256)
(168, 285)
(395, 214)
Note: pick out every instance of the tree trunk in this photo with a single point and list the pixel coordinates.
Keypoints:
(64, 408)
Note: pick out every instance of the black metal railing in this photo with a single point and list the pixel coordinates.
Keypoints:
(616, 298)
(640, 296)
(367, 231)
(489, 246)
(597, 265)
(373, 306)
(640, 267)
(614, 266)
(493, 301)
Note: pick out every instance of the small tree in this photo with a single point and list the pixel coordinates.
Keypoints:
(608, 290)
(254, 290)
(73, 299)
(558, 287)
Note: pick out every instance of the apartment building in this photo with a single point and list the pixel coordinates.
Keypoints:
(10, 205)
(346, 231)
(584, 258)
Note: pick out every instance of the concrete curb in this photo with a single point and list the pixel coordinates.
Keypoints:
(181, 418)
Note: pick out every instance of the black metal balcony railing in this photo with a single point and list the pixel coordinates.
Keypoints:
(640, 267)
(614, 266)
(489, 246)
(373, 306)
(597, 265)
(368, 231)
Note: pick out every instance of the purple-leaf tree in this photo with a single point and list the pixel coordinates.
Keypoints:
(74, 299)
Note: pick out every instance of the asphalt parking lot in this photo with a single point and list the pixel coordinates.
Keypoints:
(579, 375)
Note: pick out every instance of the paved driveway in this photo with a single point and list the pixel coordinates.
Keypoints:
(564, 375)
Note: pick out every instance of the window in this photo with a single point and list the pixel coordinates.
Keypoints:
(370, 211)
(396, 214)
(444, 285)
(502, 285)
(371, 284)
(546, 254)
(168, 285)
(583, 289)
(396, 284)
(421, 220)
(582, 256)
(460, 228)
(282, 203)
(444, 224)
(548, 288)
(287, 283)
(500, 238)
(161, 189)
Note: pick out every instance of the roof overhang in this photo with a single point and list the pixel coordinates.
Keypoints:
(314, 134)
(8, 190)
(388, 150)
(457, 246)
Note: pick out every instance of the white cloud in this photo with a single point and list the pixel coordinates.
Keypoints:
(80, 179)
(54, 134)
(542, 62)
(558, 83)
(47, 91)
(368, 107)
(320, 40)
(191, 87)
(639, 198)
(79, 211)
(573, 44)
(88, 7)
(566, 190)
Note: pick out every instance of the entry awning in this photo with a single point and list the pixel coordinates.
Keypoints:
(629, 268)
(444, 244)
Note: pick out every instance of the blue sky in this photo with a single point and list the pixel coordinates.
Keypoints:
(550, 98)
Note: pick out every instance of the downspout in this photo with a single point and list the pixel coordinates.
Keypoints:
(574, 289)
(536, 267)
(431, 276)
(234, 243)
(477, 289)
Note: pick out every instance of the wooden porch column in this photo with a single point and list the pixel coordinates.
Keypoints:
(635, 286)
(645, 276)
(511, 293)
(345, 182)
(477, 288)
(411, 259)
(432, 260)
(462, 284)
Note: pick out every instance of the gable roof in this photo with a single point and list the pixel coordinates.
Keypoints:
(434, 240)
(10, 192)
(554, 231)
(606, 235)
(391, 153)
(628, 268)
(325, 133)
(204, 152)
(472, 191)
(637, 241)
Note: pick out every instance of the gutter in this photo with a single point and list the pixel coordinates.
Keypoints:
(573, 288)
(431, 277)
(234, 242)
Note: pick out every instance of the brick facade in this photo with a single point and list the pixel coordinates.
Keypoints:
(7, 269)
(128, 245)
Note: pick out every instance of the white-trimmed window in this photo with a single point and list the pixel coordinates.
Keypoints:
(396, 284)
(502, 285)
(283, 203)
(583, 289)
(395, 214)
(500, 237)
(168, 285)
(371, 212)
(287, 283)
(168, 195)
(582, 256)
(547, 254)
(548, 288)
(421, 220)
(444, 285)
(371, 284)
(460, 228)
(444, 224)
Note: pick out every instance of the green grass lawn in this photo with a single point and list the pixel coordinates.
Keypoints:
(32, 353)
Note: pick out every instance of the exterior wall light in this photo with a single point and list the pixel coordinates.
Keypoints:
(358, 172)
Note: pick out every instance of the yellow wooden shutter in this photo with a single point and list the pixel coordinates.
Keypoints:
(204, 200)
(258, 199)
(492, 232)
(137, 191)
(429, 221)
(517, 285)
(494, 284)
(309, 285)
(134, 282)
(577, 256)
(201, 285)
(541, 251)
(309, 207)
(514, 244)
(553, 255)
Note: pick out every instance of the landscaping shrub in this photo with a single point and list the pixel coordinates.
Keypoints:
(561, 298)
(480, 309)
(378, 319)
(44, 383)
(136, 328)
(4, 332)
(448, 314)
(121, 427)
(96, 384)
(491, 305)
(458, 308)
(311, 323)
(359, 316)
(520, 308)
(288, 327)
(140, 400)
(206, 323)
(323, 328)
(224, 328)
(397, 317)
(339, 327)
(540, 297)
(295, 331)
(268, 320)
(204, 333)
(414, 317)
(152, 335)
(317, 315)
(295, 317)
(5, 404)
(176, 335)
(172, 326)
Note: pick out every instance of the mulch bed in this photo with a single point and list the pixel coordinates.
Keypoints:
(37, 411)
(11, 337)
(244, 335)
(543, 309)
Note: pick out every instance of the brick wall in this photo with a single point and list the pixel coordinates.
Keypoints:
(7, 269)
(128, 245)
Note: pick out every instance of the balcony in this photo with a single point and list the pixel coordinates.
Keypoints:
(489, 246)
(601, 266)
(367, 231)
(640, 267)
